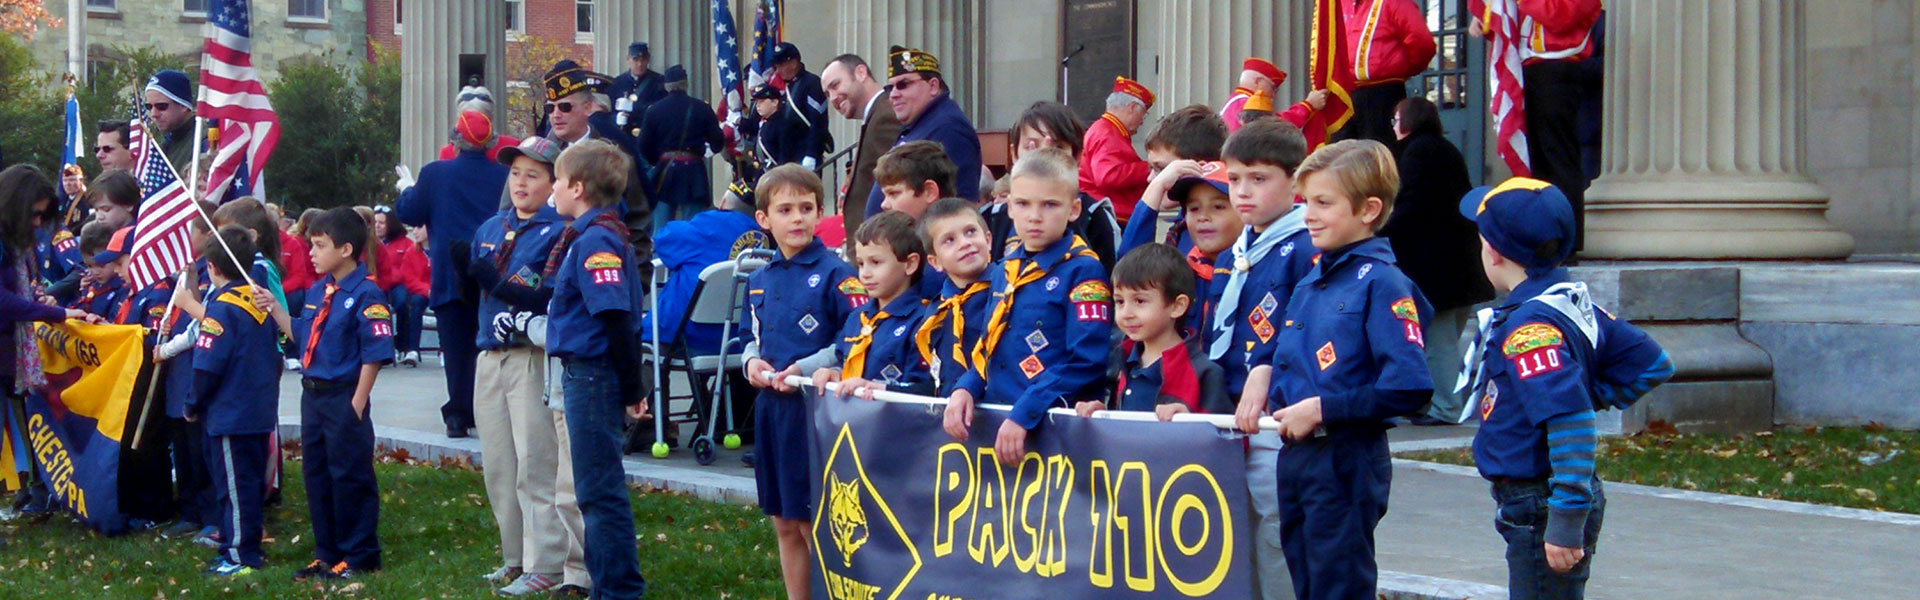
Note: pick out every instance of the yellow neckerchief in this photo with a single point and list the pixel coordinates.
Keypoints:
(950, 311)
(242, 296)
(857, 355)
(1108, 117)
(1019, 273)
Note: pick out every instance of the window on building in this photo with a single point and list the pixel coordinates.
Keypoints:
(516, 17)
(312, 10)
(103, 5)
(583, 17)
(196, 8)
(397, 6)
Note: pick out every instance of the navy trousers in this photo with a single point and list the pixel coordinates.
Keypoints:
(337, 465)
(239, 465)
(457, 323)
(192, 479)
(1333, 492)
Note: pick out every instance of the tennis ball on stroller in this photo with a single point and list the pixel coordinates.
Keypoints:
(659, 449)
(732, 441)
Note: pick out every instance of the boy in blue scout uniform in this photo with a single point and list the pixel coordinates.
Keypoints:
(877, 348)
(1548, 358)
(1046, 340)
(235, 398)
(58, 251)
(797, 303)
(1203, 197)
(101, 296)
(961, 246)
(344, 335)
(1180, 144)
(1162, 368)
(1350, 355)
(911, 177)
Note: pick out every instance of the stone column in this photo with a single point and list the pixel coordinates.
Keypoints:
(944, 27)
(437, 34)
(1705, 136)
(1202, 43)
(677, 32)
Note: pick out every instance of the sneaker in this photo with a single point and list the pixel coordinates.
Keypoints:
(502, 576)
(342, 571)
(530, 583)
(230, 569)
(209, 537)
(181, 529)
(317, 569)
(569, 591)
(411, 358)
(137, 524)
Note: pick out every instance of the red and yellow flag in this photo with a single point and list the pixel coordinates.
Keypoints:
(1330, 69)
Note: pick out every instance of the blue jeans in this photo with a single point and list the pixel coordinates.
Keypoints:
(408, 310)
(595, 419)
(1522, 520)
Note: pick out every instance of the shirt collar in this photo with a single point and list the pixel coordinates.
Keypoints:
(546, 214)
(359, 274)
(909, 298)
(583, 136)
(1053, 254)
(1533, 286)
(868, 113)
(1375, 247)
(585, 220)
(937, 106)
(807, 256)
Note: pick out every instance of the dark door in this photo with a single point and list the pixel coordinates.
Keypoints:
(1456, 81)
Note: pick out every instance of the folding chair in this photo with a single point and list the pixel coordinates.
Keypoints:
(719, 300)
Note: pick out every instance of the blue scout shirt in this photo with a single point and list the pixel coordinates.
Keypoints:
(597, 276)
(1539, 365)
(1058, 329)
(799, 303)
(241, 350)
(1210, 286)
(58, 252)
(357, 330)
(1182, 375)
(952, 327)
(179, 377)
(104, 298)
(944, 123)
(1353, 336)
(1263, 304)
(889, 354)
(1141, 228)
(147, 307)
(530, 241)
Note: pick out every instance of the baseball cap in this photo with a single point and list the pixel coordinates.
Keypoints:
(1527, 220)
(1213, 173)
(537, 148)
(116, 247)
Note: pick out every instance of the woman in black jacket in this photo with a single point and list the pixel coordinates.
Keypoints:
(1435, 246)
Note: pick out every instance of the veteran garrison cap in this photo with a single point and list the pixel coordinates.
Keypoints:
(902, 60)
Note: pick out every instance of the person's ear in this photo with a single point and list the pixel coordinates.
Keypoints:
(1178, 307)
(933, 262)
(760, 218)
(929, 189)
(913, 263)
(1371, 209)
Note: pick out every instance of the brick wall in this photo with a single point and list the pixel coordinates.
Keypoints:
(550, 20)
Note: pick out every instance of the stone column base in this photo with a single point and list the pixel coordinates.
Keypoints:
(1713, 220)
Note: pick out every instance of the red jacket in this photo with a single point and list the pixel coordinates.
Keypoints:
(402, 263)
(1561, 29)
(1388, 40)
(1110, 168)
(298, 264)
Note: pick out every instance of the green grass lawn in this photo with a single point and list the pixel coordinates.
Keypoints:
(1860, 467)
(437, 535)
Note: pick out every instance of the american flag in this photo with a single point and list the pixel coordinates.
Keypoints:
(726, 58)
(230, 91)
(766, 35)
(1508, 85)
(160, 242)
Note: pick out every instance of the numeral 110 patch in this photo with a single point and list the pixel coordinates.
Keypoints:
(1544, 360)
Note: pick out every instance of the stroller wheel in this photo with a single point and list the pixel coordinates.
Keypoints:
(732, 441)
(703, 450)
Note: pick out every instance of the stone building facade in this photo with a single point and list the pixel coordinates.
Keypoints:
(332, 30)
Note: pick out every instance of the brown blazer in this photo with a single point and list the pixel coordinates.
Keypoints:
(877, 135)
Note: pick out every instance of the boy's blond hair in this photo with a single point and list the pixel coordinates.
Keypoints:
(1052, 165)
(787, 177)
(1360, 169)
(599, 167)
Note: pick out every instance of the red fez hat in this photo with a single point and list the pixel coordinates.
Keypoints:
(1133, 88)
(1261, 66)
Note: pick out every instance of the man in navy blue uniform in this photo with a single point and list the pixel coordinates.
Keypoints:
(676, 134)
(591, 329)
(577, 109)
(344, 336)
(451, 199)
(1547, 359)
(808, 100)
(633, 91)
(926, 109)
(1350, 355)
(235, 383)
(780, 133)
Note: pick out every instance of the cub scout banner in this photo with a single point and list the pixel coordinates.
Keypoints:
(73, 426)
(1097, 509)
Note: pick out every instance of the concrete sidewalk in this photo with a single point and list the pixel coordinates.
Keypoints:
(1437, 540)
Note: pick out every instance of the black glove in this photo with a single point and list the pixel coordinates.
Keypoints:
(481, 270)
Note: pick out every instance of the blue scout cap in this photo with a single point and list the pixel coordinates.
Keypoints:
(1526, 220)
(676, 74)
(638, 50)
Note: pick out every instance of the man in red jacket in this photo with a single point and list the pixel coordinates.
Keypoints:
(1257, 76)
(1389, 42)
(1109, 167)
(1561, 37)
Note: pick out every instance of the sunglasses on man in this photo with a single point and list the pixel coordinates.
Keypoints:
(563, 107)
(159, 107)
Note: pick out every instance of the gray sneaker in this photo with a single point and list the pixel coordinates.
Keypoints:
(530, 583)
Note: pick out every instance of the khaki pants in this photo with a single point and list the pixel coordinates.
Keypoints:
(522, 460)
(1270, 575)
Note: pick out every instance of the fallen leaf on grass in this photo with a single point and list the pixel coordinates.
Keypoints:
(1787, 478)
(1866, 494)
(1729, 453)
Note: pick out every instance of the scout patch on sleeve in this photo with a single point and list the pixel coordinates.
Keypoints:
(1091, 301)
(1409, 316)
(1534, 348)
(379, 320)
(1032, 367)
(1326, 356)
(63, 241)
(1261, 323)
(855, 292)
(605, 267)
(209, 329)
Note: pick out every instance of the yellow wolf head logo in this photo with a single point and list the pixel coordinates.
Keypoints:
(847, 517)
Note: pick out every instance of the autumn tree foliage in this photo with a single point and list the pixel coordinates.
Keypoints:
(24, 17)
